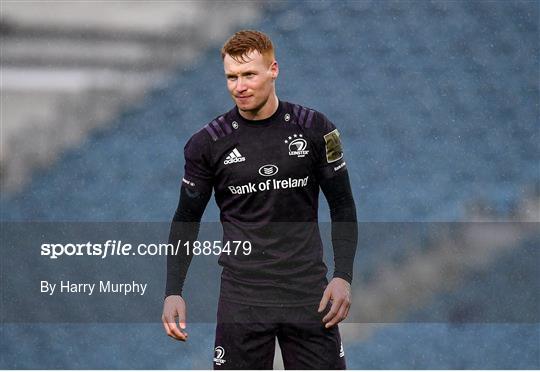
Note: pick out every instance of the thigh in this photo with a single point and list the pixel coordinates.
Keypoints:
(242, 341)
(307, 344)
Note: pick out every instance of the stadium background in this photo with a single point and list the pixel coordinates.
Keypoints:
(437, 103)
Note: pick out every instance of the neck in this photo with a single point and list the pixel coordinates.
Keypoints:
(265, 111)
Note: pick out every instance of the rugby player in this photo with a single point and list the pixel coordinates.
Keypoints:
(266, 160)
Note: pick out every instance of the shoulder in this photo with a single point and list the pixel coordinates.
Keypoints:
(199, 141)
(310, 119)
(320, 130)
(219, 127)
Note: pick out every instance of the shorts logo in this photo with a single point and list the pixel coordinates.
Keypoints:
(234, 157)
(297, 145)
(220, 353)
(268, 170)
(341, 351)
(334, 152)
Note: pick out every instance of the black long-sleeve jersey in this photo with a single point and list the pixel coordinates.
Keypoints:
(266, 176)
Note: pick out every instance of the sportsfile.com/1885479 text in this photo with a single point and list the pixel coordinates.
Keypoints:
(112, 248)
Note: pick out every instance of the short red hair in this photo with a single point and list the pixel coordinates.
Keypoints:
(245, 41)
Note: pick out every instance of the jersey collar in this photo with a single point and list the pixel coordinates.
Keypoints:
(258, 123)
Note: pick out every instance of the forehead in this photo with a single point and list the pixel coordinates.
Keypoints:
(254, 61)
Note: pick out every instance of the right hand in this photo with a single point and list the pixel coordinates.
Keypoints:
(174, 307)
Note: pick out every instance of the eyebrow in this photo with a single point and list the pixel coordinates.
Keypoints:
(243, 73)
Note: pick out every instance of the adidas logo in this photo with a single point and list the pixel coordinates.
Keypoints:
(234, 157)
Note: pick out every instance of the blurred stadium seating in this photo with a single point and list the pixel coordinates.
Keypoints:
(71, 67)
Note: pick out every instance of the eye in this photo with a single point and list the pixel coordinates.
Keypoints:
(231, 78)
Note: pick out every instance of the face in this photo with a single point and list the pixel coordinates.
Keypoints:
(250, 84)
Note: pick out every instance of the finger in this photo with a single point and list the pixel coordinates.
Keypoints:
(173, 330)
(324, 300)
(342, 313)
(181, 311)
(338, 317)
(176, 333)
(333, 310)
(331, 316)
(165, 325)
(347, 312)
(181, 317)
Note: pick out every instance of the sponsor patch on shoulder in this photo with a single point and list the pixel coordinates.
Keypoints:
(334, 151)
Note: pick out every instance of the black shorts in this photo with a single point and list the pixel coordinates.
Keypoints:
(246, 336)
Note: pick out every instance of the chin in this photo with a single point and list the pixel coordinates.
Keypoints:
(246, 107)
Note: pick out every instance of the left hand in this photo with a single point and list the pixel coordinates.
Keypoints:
(338, 292)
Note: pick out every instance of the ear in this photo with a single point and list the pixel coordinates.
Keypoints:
(274, 70)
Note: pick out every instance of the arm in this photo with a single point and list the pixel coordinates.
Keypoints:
(195, 192)
(334, 182)
(337, 191)
(184, 227)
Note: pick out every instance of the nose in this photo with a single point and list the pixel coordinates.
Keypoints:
(240, 85)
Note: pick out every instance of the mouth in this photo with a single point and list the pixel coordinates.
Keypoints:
(242, 98)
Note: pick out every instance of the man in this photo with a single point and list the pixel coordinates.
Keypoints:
(266, 160)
